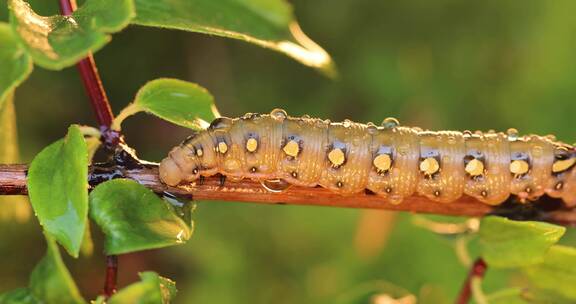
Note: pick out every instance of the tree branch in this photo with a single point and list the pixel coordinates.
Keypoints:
(13, 181)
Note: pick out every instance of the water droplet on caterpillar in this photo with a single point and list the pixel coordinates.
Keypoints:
(347, 123)
(276, 185)
(279, 114)
(305, 116)
(390, 123)
(512, 134)
(371, 128)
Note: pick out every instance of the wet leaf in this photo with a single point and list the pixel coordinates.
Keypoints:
(133, 218)
(508, 244)
(58, 41)
(51, 282)
(183, 103)
(557, 272)
(58, 189)
(267, 23)
(15, 63)
(151, 289)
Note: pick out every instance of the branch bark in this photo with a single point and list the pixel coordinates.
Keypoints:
(13, 181)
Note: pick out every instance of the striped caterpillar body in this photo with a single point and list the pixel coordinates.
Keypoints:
(390, 160)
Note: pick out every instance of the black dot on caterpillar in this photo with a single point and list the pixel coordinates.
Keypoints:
(348, 157)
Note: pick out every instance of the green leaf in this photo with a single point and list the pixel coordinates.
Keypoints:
(11, 207)
(508, 244)
(183, 103)
(151, 289)
(58, 189)
(133, 218)
(557, 272)
(58, 41)
(18, 296)
(51, 282)
(15, 63)
(267, 23)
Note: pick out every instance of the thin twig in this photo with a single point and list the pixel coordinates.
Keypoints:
(478, 270)
(13, 181)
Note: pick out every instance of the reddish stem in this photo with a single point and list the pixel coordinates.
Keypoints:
(111, 275)
(93, 86)
(104, 116)
(478, 270)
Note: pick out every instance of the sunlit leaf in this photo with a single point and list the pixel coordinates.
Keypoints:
(151, 289)
(183, 103)
(58, 189)
(59, 41)
(267, 23)
(557, 272)
(133, 218)
(51, 282)
(507, 244)
(15, 63)
(12, 207)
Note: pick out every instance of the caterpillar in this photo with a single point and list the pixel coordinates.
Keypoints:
(390, 160)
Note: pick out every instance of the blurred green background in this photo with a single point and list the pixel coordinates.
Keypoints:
(441, 64)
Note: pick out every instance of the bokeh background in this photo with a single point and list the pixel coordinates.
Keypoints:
(443, 64)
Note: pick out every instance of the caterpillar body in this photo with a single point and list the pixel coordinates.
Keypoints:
(390, 160)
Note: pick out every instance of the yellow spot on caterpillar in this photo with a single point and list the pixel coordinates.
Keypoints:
(336, 157)
(563, 165)
(291, 148)
(475, 167)
(251, 144)
(382, 162)
(429, 166)
(199, 152)
(519, 167)
(222, 147)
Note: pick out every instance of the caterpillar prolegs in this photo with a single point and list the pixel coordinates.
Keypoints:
(390, 160)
